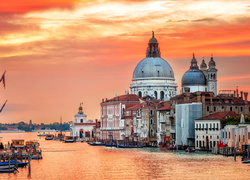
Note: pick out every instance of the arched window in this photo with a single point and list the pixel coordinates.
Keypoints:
(151, 121)
(152, 132)
(156, 97)
(140, 94)
(158, 73)
(162, 95)
(142, 72)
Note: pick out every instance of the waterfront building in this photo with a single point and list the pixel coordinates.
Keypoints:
(153, 75)
(207, 104)
(97, 131)
(81, 128)
(165, 123)
(203, 79)
(208, 129)
(236, 135)
(113, 116)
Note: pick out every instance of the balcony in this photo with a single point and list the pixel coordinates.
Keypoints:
(162, 120)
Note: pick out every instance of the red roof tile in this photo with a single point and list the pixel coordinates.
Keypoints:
(220, 115)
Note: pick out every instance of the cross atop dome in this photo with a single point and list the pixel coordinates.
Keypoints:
(153, 50)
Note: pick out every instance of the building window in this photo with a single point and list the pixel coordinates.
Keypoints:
(156, 97)
(214, 143)
(231, 108)
(151, 112)
(217, 125)
(207, 108)
(213, 125)
(197, 137)
(140, 94)
(214, 109)
(241, 109)
(142, 73)
(158, 73)
(162, 95)
(151, 121)
(197, 144)
(217, 137)
(210, 137)
(81, 120)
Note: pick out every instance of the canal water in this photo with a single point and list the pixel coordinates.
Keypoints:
(82, 161)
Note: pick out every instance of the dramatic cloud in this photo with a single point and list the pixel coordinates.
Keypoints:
(60, 53)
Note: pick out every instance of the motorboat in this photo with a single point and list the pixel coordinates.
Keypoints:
(49, 137)
(12, 162)
(245, 160)
(69, 139)
(96, 144)
(190, 150)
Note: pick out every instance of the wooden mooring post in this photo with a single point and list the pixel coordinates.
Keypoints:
(29, 158)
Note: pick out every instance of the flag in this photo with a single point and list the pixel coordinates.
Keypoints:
(132, 131)
(3, 106)
(3, 79)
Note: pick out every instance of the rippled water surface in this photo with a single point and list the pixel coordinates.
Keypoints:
(82, 161)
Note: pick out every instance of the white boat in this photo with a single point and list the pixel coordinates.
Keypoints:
(69, 139)
(246, 161)
(7, 167)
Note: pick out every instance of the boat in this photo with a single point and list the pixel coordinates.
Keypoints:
(189, 150)
(32, 143)
(49, 137)
(36, 156)
(18, 143)
(42, 134)
(96, 144)
(128, 146)
(12, 170)
(245, 160)
(7, 167)
(12, 162)
(166, 146)
(69, 139)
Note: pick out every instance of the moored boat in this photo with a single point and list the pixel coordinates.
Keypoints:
(246, 160)
(96, 144)
(12, 170)
(12, 162)
(18, 143)
(69, 139)
(49, 137)
(165, 145)
(190, 150)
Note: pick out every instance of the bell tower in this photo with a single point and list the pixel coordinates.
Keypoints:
(212, 77)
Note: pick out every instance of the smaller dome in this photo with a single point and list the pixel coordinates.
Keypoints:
(203, 64)
(153, 40)
(212, 63)
(194, 77)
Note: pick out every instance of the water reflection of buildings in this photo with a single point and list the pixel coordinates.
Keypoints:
(154, 109)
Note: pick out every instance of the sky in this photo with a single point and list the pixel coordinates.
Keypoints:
(59, 53)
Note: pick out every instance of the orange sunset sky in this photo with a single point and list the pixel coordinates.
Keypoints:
(58, 53)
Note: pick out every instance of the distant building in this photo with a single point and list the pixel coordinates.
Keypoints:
(208, 129)
(153, 75)
(165, 123)
(81, 128)
(236, 135)
(113, 116)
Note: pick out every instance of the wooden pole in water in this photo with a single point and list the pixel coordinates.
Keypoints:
(29, 163)
(235, 154)
(15, 158)
(9, 162)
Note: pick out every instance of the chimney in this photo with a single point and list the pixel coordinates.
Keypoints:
(241, 94)
(106, 99)
(203, 99)
(198, 96)
(245, 95)
(102, 100)
(237, 93)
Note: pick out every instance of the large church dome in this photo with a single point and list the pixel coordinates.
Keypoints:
(153, 75)
(151, 67)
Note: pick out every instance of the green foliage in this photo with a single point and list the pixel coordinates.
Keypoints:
(234, 121)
